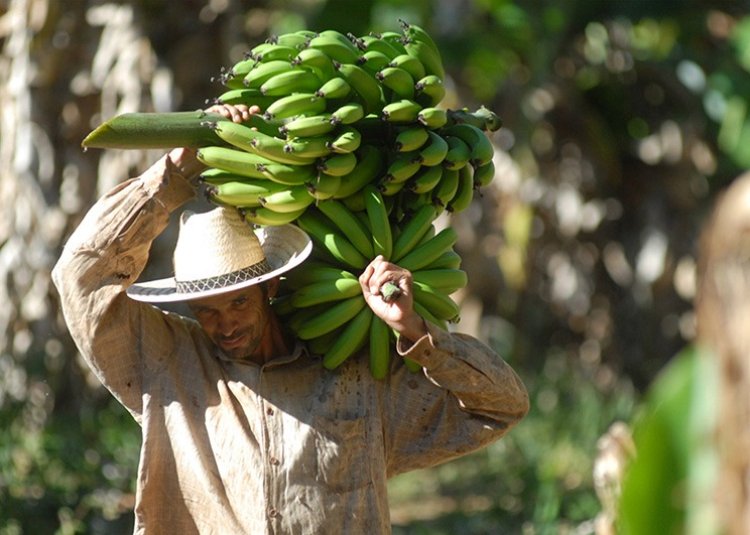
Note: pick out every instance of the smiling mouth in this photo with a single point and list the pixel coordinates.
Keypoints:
(231, 342)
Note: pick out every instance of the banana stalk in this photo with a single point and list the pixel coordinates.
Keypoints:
(155, 131)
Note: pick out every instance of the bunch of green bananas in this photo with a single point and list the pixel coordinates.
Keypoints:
(354, 147)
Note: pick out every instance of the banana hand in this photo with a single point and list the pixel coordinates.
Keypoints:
(398, 314)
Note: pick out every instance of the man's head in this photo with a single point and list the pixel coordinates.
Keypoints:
(226, 272)
(238, 322)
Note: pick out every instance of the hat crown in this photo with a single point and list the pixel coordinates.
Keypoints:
(215, 243)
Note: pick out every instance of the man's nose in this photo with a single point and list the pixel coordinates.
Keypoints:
(227, 324)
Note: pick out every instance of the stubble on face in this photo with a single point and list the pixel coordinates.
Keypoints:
(234, 321)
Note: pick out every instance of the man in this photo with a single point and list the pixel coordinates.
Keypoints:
(243, 430)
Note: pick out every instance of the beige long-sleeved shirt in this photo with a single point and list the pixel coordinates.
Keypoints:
(232, 447)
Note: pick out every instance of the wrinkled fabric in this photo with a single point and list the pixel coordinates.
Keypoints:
(232, 447)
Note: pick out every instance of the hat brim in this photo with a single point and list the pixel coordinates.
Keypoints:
(285, 247)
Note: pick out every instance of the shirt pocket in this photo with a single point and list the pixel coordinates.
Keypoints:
(341, 447)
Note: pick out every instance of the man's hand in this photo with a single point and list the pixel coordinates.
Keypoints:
(398, 313)
(185, 159)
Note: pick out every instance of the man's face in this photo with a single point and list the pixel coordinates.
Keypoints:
(234, 321)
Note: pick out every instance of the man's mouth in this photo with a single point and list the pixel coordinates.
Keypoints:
(232, 342)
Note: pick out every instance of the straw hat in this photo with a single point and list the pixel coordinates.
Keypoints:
(218, 251)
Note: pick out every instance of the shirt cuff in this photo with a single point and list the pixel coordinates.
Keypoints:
(164, 182)
(430, 350)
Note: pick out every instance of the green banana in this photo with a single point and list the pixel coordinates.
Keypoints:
(293, 39)
(214, 176)
(370, 43)
(321, 344)
(234, 76)
(246, 193)
(439, 304)
(263, 71)
(347, 139)
(297, 38)
(324, 186)
(364, 84)
(334, 88)
(349, 225)
(401, 111)
(424, 254)
(301, 103)
(369, 166)
(402, 167)
(309, 147)
(426, 179)
(389, 189)
(429, 316)
(323, 233)
(247, 139)
(292, 81)
(355, 202)
(348, 113)
(410, 64)
(450, 259)
(397, 80)
(484, 174)
(465, 191)
(482, 150)
(447, 280)
(411, 138)
(446, 189)
(429, 90)
(380, 347)
(377, 214)
(313, 125)
(235, 161)
(395, 39)
(289, 199)
(433, 117)
(338, 48)
(315, 61)
(245, 96)
(326, 291)
(313, 273)
(266, 52)
(331, 318)
(434, 152)
(337, 164)
(459, 153)
(373, 61)
(352, 338)
(412, 232)
(483, 118)
(290, 175)
(418, 43)
(266, 217)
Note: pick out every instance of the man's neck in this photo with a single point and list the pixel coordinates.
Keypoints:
(273, 342)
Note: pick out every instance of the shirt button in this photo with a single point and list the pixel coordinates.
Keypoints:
(274, 461)
(273, 513)
(269, 411)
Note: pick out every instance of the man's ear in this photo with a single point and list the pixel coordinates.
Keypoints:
(273, 286)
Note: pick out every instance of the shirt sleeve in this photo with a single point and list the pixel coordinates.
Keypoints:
(103, 256)
(466, 397)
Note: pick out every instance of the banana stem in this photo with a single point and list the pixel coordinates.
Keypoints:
(390, 292)
(155, 131)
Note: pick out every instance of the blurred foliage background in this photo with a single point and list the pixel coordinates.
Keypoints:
(623, 120)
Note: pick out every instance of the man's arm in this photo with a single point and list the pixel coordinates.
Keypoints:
(468, 397)
(107, 253)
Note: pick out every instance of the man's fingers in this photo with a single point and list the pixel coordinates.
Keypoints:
(237, 113)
